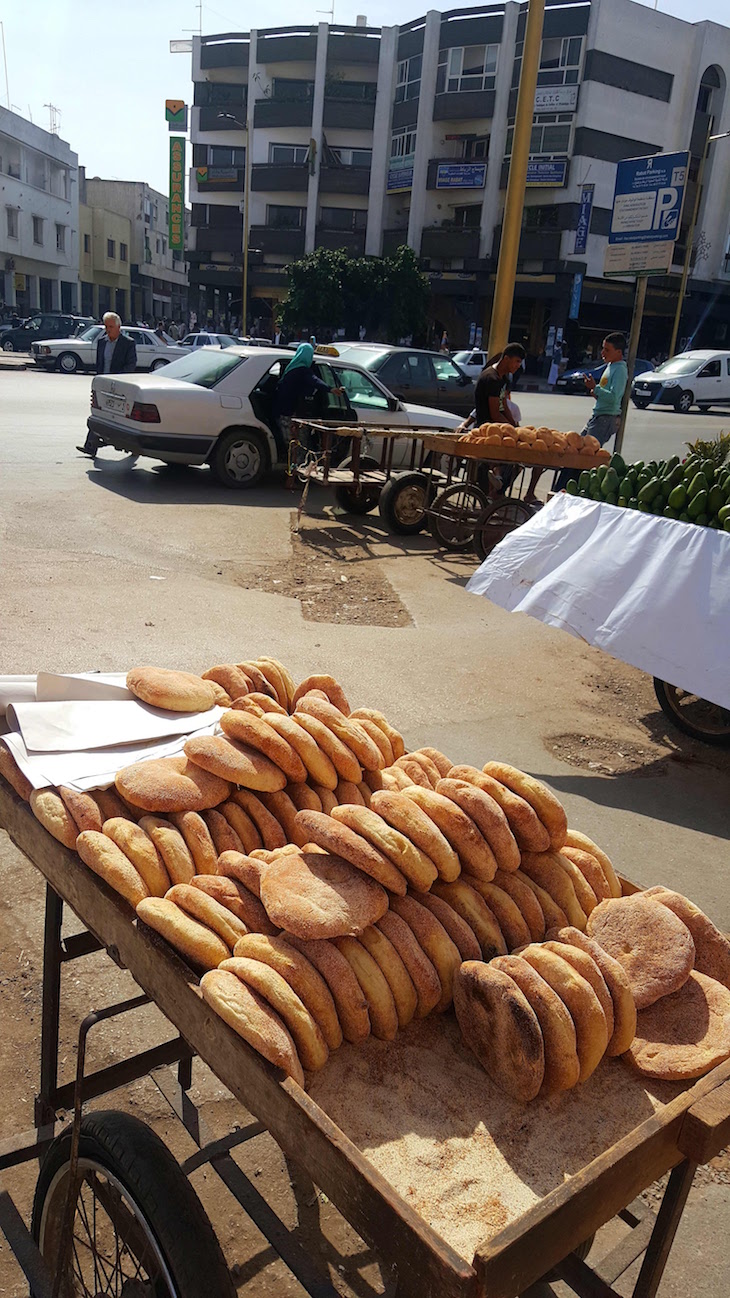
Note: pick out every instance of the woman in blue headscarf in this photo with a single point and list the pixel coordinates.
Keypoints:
(296, 384)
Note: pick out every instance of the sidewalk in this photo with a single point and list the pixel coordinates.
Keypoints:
(14, 361)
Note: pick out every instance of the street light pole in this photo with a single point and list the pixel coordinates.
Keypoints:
(709, 139)
(246, 174)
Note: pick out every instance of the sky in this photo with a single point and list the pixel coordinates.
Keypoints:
(108, 70)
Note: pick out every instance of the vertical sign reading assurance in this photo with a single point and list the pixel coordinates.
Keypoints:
(177, 192)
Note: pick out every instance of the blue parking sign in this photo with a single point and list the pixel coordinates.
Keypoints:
(647, 201)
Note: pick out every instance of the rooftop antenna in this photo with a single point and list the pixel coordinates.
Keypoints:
(5, 62)
(330, 12)
(54, 117)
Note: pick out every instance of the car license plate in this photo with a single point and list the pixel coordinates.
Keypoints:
(114, 403)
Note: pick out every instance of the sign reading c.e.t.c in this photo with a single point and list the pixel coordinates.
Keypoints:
(647, 203)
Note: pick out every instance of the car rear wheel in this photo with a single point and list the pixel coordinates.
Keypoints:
(684, 402)
(239, 459)
(157, 365)
(68, 363)
(8, 345)
(640, 402)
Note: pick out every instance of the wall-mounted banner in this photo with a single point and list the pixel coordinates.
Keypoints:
(177, 192)
(546, 175)
(556, 99)
(400, 174)
(584, 218)
(222, 175)
(461, 175)
(575, 292)
(176, 114)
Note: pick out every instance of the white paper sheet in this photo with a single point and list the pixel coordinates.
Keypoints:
(16, 689)
(52, 686)
(650, 591)
(89, 770)
(80, 724)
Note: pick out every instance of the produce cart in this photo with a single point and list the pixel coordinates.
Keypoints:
(440, 482)
(459, 1190)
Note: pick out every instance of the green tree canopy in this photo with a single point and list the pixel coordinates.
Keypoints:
(329, 290)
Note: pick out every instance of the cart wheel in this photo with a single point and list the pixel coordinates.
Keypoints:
(403, 503)
(358, 499)
(499, 519)
(454, 514)
(695, 716)
(139, 1228)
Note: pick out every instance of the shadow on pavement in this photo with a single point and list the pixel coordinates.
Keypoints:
(182, 484)
(694, 800)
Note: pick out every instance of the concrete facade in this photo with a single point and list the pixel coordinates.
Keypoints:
(158, 277)
(39, 218)
(425, 100)
(104, 261)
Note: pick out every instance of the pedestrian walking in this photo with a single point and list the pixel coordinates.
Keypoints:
(115, 354)
(608, 394)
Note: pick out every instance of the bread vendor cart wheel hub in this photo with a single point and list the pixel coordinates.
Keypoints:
(410, 505)
(243, 461)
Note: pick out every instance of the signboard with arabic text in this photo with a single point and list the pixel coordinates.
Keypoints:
(177, 193)
(461, 175)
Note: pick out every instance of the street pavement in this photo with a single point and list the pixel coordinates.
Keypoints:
(106, 565)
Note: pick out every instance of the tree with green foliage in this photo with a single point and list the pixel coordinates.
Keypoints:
(329, 290)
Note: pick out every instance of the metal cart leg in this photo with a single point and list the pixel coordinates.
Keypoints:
(45, 1101)
(662, 1236)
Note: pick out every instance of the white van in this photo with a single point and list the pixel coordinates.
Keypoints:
(692, 378)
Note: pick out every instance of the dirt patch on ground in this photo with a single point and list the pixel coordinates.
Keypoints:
(629, 734)
(334, 576)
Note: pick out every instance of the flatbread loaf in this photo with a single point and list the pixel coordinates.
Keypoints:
(545, 869)
(574, 838)
(685, 1034)
(319, 766)
(84, 810)
(203, 907)
(203, 948)
(329, 686)
(394, 971)
(513, 883)
(470, 904)
(171, 846)
(236, 897)
(198, 840)
(652, 944)
(584, 1007)
(315, 895)
(543, 801)
(506, 912)
(10, 771)
(395, 737)
(616, 979)
(458, 928)
(488, 816)
(712, 949)
(381, 1004)
(421, 970)
(253, 1019)
(417, 826)
(267, 982)
(562, 1066)
(137, 845)
(237, 763)
(255, 732)
(351, 846)
(412, 862)
(110, 863)
(174, 691)
(347, 993)
(441, 951)
(500, 1027)
(342, 758)
(528, 829)
(302, 977)
(51, 811)
(170, 784)
(470, 845)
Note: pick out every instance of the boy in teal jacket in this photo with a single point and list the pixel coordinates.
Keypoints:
(608, 392)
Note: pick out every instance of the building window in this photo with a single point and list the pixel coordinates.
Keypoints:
(348, 157)
(408, 80)
(38, 229)
(535, 219)
(560, 61)
(12, 220)
(468, 216)
(476, 150)
(111, 250)
(123, 252)
(60, 238)
(343, 218)
(87, 243)
(550, 136)
(157, 246)
(164, 246)
(221, 156)
(468, 67)
(402, 144)
(288, 155)
(280, 217)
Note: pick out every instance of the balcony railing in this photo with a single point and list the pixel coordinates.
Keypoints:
(290, 177)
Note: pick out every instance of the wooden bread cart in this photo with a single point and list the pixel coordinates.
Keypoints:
(462, 1193)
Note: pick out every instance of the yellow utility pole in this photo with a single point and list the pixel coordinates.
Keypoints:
(504, 287)
(723, 135)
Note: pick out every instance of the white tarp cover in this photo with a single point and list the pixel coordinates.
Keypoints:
(650, 591)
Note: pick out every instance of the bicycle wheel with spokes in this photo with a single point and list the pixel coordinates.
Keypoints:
(497, 520)
(138, 1229)
(454, 514)
(695, 716)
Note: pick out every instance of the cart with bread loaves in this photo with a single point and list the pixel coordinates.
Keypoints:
(442, 481)
(441, 1000)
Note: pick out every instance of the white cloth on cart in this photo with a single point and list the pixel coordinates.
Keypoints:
(649, 590)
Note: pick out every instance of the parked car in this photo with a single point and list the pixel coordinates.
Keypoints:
(43, 326)
(425, 377)
(571, 382)
(472, 361)
(214, 407)
(701, 378)
(71, 354)
(205, 339)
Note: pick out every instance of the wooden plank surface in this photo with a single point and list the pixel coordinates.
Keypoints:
(423, 1261)
(706, 1127)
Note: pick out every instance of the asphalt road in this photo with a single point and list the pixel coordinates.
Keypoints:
(107, 565)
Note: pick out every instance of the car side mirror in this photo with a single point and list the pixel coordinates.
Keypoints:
(394, 403)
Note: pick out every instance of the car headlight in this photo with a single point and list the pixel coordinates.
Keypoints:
(670, 383)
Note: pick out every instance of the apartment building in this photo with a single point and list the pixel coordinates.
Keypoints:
(104, 258)
(39, 218)
(158, 279)
(364, 139)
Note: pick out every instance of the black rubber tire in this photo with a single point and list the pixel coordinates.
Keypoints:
(251, 463)
(398, 503)
(716, 729)
(155, 1191)
(497, 521)
(361, 500)
(158, 365)
(68, 363)
(454, 514)
(684, 402)
(8, 345)
(641, 402)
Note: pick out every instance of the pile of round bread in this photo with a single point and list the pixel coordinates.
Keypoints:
(536, 439)
(332, 885)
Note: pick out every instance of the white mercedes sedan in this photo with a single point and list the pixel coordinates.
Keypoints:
(72, 354)
(214, 407)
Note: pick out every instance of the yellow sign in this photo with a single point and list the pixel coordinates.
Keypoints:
(19, 282)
